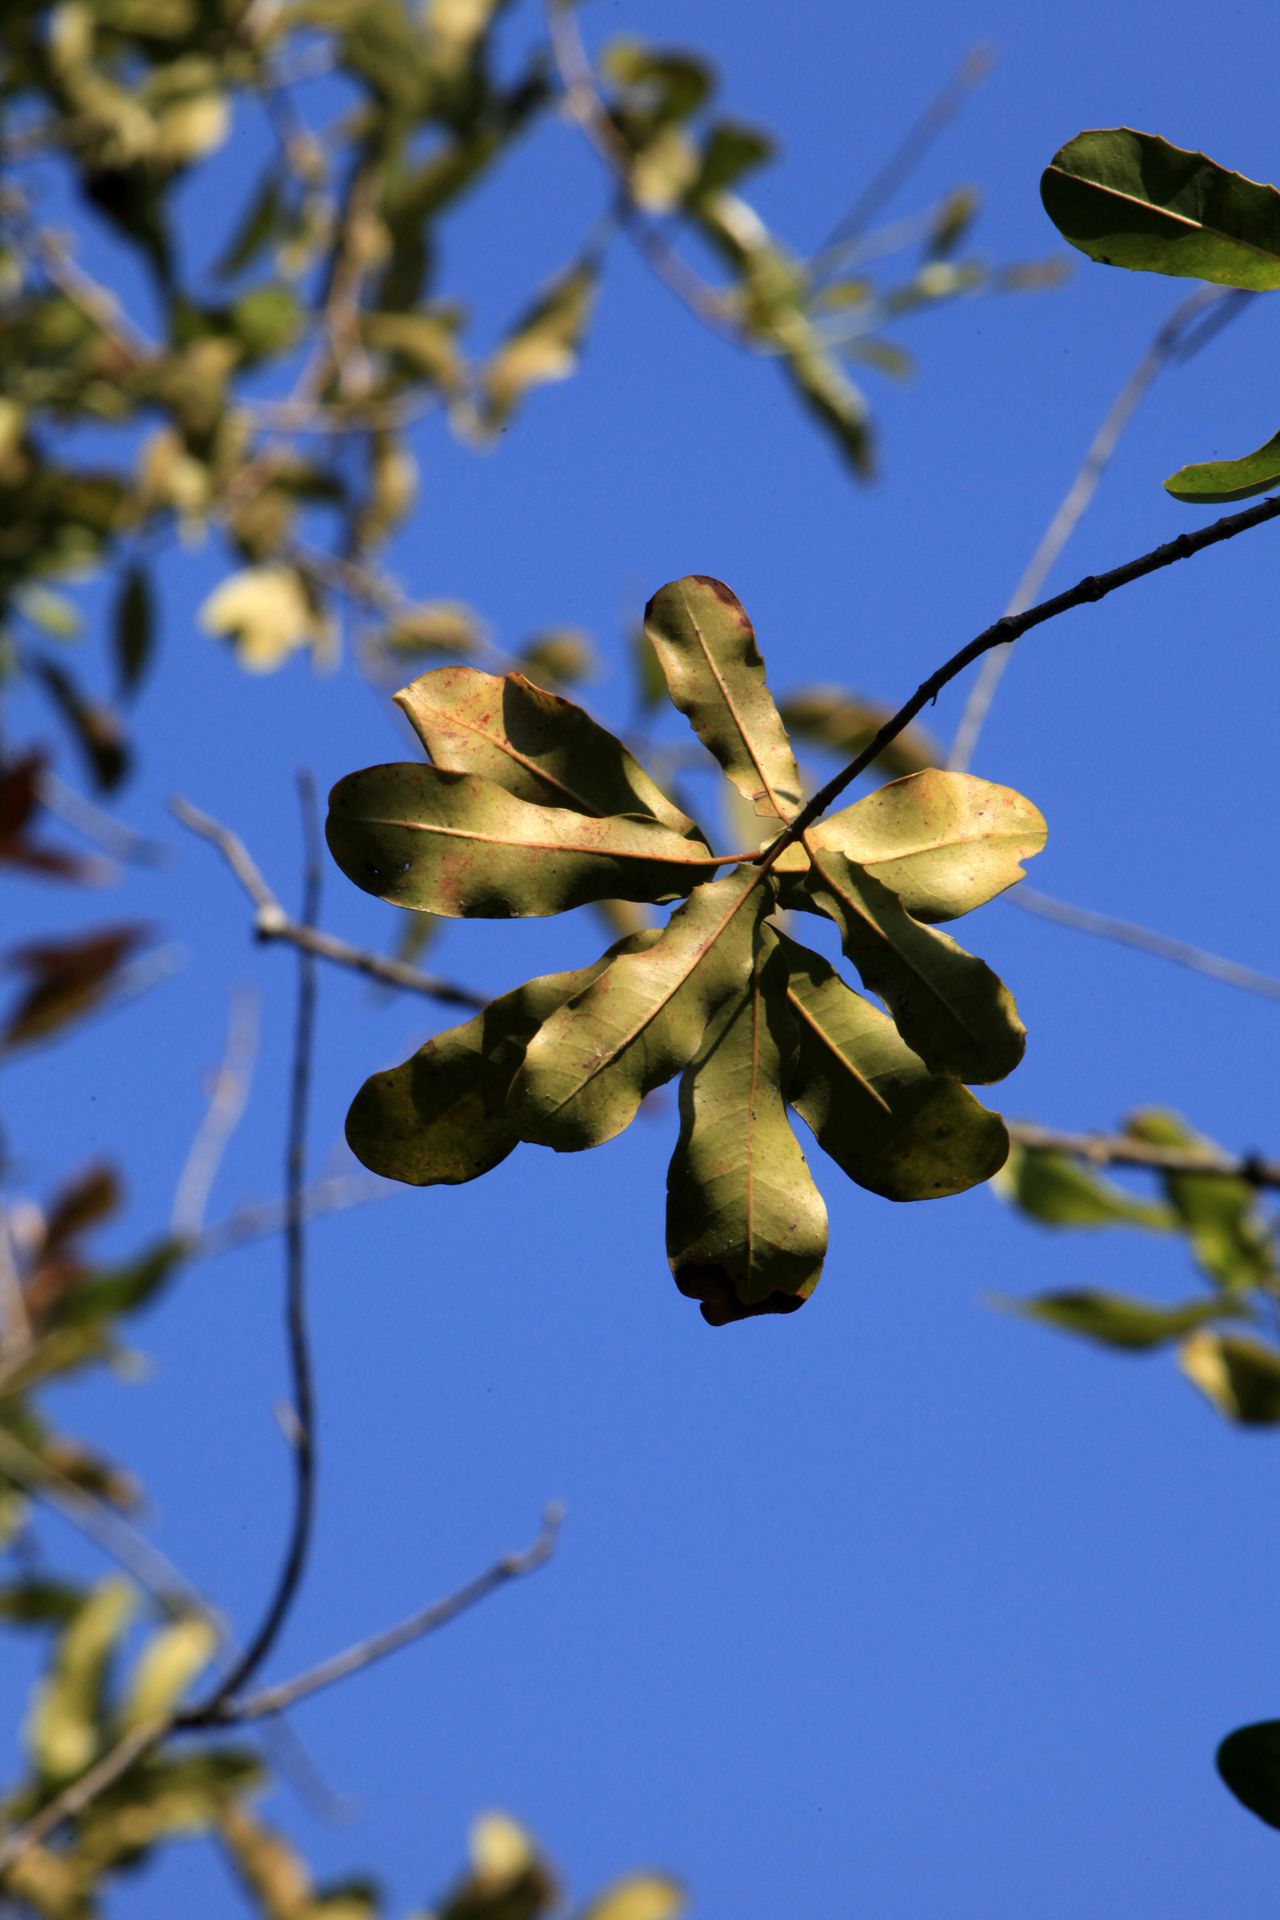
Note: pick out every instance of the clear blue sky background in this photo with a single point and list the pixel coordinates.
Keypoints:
(897, 1606)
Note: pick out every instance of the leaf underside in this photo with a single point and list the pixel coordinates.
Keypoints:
(530, 807)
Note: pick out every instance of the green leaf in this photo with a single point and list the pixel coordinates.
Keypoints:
(944, 842)
(1112, 1318)
(538, 745)
(166, 1667)
(871, 1102)
(435, 626)
(559, 656)
(1060, 1192)
(1131, 200)
(161, 1798)
(1249, 1763)
(1214, 481)
(746, 1226)
(459, 845)
(261, 221)
(732, 149)
(1228, 1233)
(134, 629)
(640, 1896)
(543, 345)
(1240, 1376)
(40, 1603)
(715, 675)
(65, 1731)
(948, 1006)
(592, 1063)
(442, 1117)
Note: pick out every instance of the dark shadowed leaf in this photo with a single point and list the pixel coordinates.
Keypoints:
(844, 723)
(590, 1065)
(459, 845)
(1130, 199)
(66, 979)
(442, 1117)
(1249, 1763)
(538, 745)
(1215, 481)
(1112, 1318)
(133, 629)
(746, 1226)
(1239, 1375)
(40, 1603)
(944, 842)
(96, 727)
(19, 811)
(948, 1006)
(715, 675)
(871, 1102)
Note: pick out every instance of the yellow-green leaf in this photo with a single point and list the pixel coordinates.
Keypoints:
(1113, 1319)
(640, 1896)
(538, 745)
(589, 1066)
(264, 612)
(1229, 1235)
(944, 842)
(715, 675)
(65, 1729)
(746, 1226)
(1130, 199)
(871, 1102)
(1060, 1192)
(1212, 482)
(543, 345)
(442, 1117)
(460, 845)
(1240, 1376)
(168, 1664)
(948, 1006)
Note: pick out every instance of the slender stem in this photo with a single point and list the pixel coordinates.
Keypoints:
(303, 1435)
(1127, 933)
(228, 1098)
(1120, 1150)
(1010, 627)
(91, 1784)
(513, 1566)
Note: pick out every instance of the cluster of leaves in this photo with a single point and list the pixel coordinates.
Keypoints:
(1132, 200)
(528, 806)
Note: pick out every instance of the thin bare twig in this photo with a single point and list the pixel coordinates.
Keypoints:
(1127, 933)
(272, 923)
(228, 1098)
(94, 824)
(583, 101)
(1120, 1150)
(303, 1428)
(1173, 343)
(91, 1784)
(513, 1566)
(1010, 627)
(15, 1328)
(267, 1217)
(902, 162)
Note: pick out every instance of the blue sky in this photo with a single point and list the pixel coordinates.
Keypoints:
(897, 1605)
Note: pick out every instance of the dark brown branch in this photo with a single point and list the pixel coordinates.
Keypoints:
(271, 922)
(1095, 586)
(1121, 1150)
(303, 1434)
(273, 1700)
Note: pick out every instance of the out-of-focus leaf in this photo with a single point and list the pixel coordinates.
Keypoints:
(731, 151)
(1249, 1762)
(952, 223)
(273, 1875)
(264, 612)
(442, 1117)
(538, 745)
(508, 1879)
(590, 1065)
(133, 630)
(1239, 1375)
(90, 1197)
(261, 222)
(108, 1293)
(560, 657)
(165, 1796)
(1130, 199)
(640, 1896)
(543, 346)
(870, 1101)
(843, 723)
(40, 1603)
(1228, 1234)
(671, 84)
(65, 1729)
(746, 1226)
(944, 842)
(19, 809)
(436, 626)
(66, 979)
(715, 675)
(459, 845)
(96, 727)
(1213, 481)
(426, 342)
(1060, 1192)
(1113, 1319)
(949, 1007)
(168, 1664)
(265, 321)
